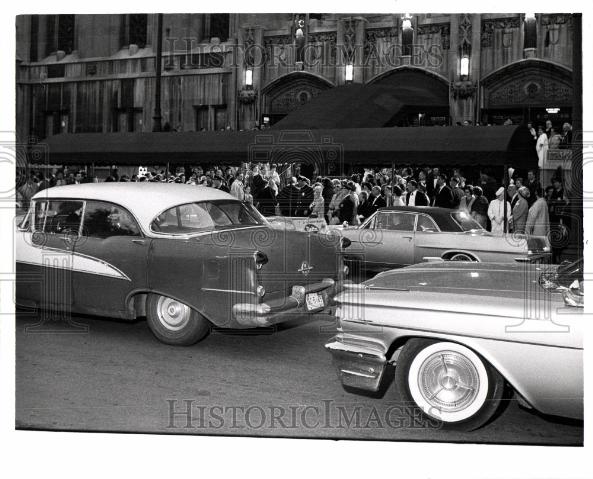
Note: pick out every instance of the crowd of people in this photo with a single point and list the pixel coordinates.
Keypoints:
(285, 191)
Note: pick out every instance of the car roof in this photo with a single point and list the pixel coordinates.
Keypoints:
(442, 216)
(144, 200)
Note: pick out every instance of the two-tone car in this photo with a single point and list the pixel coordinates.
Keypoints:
(399, 236)
(185, 257)
(458, 333)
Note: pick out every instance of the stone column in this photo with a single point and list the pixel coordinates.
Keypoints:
(358, 73)
(340, 74)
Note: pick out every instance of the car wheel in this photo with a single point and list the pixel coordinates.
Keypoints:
(449, 383)
(461, 257)
(173, 322)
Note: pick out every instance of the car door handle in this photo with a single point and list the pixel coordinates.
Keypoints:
(138, 241)
(407, 237)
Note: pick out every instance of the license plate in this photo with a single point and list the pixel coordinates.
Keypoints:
(314, 301)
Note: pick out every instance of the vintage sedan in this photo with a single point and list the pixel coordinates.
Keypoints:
(186, 257)
(457, 333)
(403, 235)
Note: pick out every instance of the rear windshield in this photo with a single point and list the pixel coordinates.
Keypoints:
(465, 221)
(206, 215)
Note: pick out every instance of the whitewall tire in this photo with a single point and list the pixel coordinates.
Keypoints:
(449, 382)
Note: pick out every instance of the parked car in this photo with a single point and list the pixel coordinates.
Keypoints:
(403, 235)
(184, 256)
(458, 332)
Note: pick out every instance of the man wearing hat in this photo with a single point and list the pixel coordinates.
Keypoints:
(305, 197)
(347, 211)
(496, 212)
(520, 210)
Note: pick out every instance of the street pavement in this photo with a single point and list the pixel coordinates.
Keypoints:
(93, 374)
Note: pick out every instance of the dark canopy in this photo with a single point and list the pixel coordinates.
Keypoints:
(360, 106)
(495, 145)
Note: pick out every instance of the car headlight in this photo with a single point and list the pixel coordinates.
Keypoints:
(345, 270)
(261, 291)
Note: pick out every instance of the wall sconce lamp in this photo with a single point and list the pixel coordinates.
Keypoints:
(249, 77)
(464, 67)
(349, 72)
(407, 22)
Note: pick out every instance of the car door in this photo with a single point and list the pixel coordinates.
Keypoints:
(394, 240)
(44, 253)
(428, 240)
(109, 260)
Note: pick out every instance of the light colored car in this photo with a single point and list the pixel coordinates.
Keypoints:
(186, 257)
(458, 332)
(403, 235)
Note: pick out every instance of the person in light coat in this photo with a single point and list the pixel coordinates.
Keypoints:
(538, 219)
(541, 147)
(317, 207)
(496, 213)
(520, 211)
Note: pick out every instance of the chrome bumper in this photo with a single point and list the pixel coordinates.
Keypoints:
(360, 362)
(276, 311)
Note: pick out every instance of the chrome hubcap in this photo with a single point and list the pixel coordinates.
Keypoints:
(172, 314)
(448, 381)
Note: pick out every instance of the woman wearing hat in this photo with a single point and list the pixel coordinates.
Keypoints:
(496, 213)
(520, 211)
(317, 207)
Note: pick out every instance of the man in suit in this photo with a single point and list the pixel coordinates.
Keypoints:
(288, 198)
(533, 185)
(513, 194)
(457, 191)
(431, 183)
(376, 200)
(443, 196)
(415, 197)
(218, 184)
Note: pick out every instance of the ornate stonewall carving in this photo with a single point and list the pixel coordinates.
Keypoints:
(373, 34)
(349, 37)
(444, 29)
(463, 89)
(488, 27)
(248, 43)
(555, 19)
(526, 92)
(322, 39)
(277, 45)
(293, 98)
(465, 33)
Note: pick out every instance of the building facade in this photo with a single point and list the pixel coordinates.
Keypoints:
(96, 73)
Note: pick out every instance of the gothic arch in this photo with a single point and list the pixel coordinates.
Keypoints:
(529, 82)
(285, 94)
(381, 77)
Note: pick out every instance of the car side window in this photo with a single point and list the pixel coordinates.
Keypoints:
(58, 216)
(395, 221)
(105, 220)
(426, 224)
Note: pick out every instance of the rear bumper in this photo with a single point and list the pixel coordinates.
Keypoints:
(283, 309)
(360, 363)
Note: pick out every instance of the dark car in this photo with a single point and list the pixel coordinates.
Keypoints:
(186, 257)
